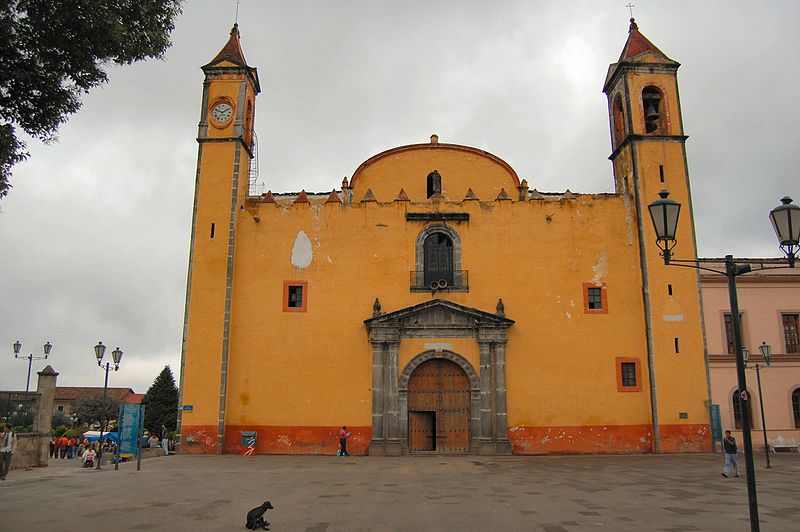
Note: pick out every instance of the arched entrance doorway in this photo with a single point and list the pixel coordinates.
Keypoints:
(439, 408)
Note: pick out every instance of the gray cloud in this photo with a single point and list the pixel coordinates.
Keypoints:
(95, 233)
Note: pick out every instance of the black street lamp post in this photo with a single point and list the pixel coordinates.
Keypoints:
(116, 354)
(766, 351)
(786, 221)
(31, 357)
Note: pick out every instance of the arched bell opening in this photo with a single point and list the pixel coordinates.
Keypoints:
(653, 108)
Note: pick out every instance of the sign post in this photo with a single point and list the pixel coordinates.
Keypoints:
(129, 429)
(716, 426)
(139, 438)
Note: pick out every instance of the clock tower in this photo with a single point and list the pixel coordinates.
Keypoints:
(226, 146)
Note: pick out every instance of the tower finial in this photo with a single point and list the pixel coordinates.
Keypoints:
(628, 5)
(236, 20)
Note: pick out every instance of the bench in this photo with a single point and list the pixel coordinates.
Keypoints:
(781, 443)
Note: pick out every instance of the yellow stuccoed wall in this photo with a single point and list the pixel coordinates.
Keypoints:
(367, 250)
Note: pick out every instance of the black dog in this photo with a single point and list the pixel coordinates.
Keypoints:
(255, 517)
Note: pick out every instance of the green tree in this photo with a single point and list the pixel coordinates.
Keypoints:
(60, 418)
(52, 52)
(161, 402)
(91, 408)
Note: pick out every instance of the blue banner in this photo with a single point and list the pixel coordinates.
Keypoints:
(130, 419)
(716, 423)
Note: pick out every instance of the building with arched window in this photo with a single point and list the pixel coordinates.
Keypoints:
(438, 303)
(769, 307)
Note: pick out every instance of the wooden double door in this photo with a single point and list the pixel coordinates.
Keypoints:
(438, 408)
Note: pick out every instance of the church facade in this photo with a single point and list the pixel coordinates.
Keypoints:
(436, 302)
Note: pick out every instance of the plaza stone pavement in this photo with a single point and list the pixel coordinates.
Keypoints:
(416, 493)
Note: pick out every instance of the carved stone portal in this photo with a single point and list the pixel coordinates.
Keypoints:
(439, 318)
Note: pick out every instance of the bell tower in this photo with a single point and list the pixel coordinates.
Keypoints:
(648, 155)
(226, 146)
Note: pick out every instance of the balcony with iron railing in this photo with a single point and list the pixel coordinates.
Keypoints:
(440, 281)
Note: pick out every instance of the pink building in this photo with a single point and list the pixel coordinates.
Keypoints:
(769, 304)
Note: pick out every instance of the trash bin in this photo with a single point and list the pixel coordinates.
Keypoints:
(249, 438)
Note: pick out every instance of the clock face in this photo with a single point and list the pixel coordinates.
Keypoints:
(222, 112)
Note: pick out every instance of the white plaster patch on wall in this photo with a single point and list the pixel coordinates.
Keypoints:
(569, 316)
(301, 252)
(600, 269)
(572, 303)
(673, 317)
(329, 259)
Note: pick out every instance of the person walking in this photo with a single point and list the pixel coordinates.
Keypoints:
(343, 435)
(165, 440)
(8, 444)
(731, 458)
(63, 447)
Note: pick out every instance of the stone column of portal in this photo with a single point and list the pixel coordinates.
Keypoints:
(485, 347)
(502, 445)
(46, 386)
(376, 445)
(392, 400)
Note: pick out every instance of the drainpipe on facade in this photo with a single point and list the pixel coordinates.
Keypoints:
(648, 318)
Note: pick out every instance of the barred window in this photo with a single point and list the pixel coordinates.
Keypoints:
(295, 297)
(629, 377)
(731, 347)
(790, 333)
(595, 298)
(628, 374)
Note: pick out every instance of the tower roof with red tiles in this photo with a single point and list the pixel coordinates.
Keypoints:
(232, 51)
(637, 50)
(637, 44)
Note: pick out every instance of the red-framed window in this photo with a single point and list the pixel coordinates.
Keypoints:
(629, 374)
(595, 298)
(295, 296)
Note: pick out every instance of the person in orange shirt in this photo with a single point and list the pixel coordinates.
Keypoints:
(64, 442)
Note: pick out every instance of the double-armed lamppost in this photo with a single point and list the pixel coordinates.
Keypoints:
(31, 357)
(766, 350)
(116, 354)
(786, 221)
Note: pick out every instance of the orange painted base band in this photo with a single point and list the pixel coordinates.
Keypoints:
(608, 439)
(600, 439)
(685, 438)
(202, 439)
(198, 439)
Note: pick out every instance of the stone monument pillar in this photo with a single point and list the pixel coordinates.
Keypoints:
(46, 388)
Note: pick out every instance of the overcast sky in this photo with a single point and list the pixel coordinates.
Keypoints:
(95, 233)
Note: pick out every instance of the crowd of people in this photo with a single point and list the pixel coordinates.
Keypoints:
(74, 448)
(153, 442)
